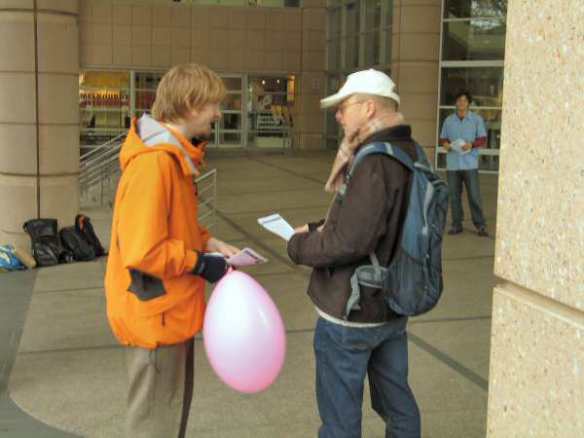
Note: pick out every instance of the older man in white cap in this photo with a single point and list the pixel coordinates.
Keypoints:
(367, 215)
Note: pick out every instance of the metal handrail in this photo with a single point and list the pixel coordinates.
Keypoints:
(93, 151)
(101, 169)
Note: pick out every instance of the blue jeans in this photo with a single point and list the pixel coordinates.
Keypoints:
(344, 355)
(470, 178)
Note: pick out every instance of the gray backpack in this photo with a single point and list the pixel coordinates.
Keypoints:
(412, 283)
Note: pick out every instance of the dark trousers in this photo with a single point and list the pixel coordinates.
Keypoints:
(344, 356)
(470, 178)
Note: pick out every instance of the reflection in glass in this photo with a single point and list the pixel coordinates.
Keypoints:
(476, 39)
(475, 8)
(484, 83)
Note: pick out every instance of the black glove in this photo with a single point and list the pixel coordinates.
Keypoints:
(211, 267)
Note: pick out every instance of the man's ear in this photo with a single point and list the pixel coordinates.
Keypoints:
(370, 108)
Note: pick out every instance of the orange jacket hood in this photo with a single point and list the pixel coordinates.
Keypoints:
(147, 135)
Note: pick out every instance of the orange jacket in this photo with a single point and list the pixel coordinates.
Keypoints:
(152, 297)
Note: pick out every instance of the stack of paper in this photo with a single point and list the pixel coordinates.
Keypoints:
(277, 225)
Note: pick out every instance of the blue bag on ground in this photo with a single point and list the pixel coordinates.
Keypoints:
(8, 260)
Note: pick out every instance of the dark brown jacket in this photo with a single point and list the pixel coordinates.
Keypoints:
(369, 217)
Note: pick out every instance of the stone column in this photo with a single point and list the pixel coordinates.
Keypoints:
(536, 376)
(414, 65)
(39, 114)
(308, 117)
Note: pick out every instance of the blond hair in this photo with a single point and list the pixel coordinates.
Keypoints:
(184, 88)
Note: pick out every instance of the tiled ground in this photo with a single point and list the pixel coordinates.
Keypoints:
(69, 374)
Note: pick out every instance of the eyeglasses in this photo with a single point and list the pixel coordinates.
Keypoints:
(342, 108)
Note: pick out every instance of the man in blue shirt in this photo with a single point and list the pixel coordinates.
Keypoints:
(463, 133)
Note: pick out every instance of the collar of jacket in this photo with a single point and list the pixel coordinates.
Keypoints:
(399, 132)
(153, 134)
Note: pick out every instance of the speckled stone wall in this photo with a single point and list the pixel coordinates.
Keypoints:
(537, 350)
(540, 233)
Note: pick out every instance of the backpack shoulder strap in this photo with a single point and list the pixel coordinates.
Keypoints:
(385, 149)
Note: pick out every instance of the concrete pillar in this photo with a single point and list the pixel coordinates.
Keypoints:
(536, 386)
(414, 65)
(308, 117)
(39, 114)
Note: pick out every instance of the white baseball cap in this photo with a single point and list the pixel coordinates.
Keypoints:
(369, 81)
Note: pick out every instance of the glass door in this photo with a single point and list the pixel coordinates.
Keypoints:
(269, 109)
(472, 59)
(228, 131)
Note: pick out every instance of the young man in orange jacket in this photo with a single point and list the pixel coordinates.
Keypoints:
(159, 254)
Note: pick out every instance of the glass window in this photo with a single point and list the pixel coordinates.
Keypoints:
(334, 22)
(475, 39)
(232, 84)
(332, 127)
(232, 102)
(372, 14)
(352, 52)
(484, 83)
(270, 107)
(147, 80)
(372, 48)
(388, 16)
(475, 8)
(359, 34)
(146, 84)
(352, 23)
(334, 55)
(104, 107)
(233, 138)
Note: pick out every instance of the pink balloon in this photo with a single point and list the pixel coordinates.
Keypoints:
(244, 334)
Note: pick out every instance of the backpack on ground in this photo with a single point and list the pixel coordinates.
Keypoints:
(412, 283)
(45, 243)
(75, 242)
(85, 228)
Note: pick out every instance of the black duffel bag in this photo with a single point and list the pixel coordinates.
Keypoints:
(45, 243)
(74, 242)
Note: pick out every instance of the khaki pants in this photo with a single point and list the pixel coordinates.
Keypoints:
(161, 390)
